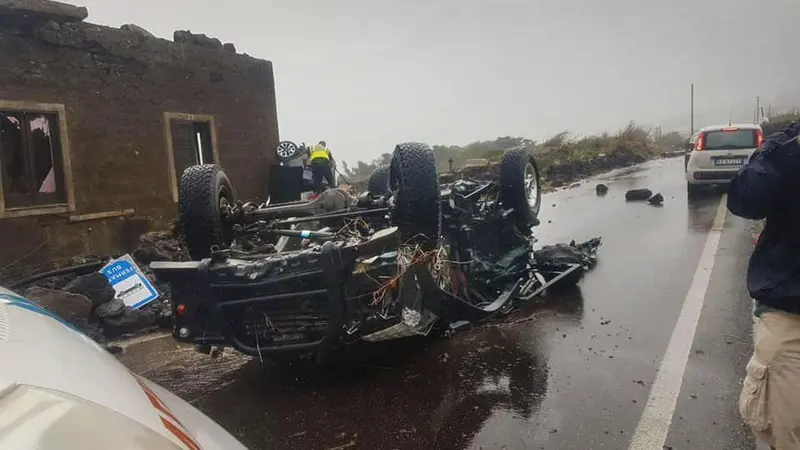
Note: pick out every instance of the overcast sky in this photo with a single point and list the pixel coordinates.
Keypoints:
(366, 74)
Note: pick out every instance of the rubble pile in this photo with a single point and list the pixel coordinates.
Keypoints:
(160, 246)
(88, 301)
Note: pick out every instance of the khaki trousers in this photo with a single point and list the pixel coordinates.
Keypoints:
(770, 398)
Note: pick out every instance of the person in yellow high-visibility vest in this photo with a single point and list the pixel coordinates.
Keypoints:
(322, 164)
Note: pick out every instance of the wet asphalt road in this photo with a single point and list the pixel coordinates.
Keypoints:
(573, 371)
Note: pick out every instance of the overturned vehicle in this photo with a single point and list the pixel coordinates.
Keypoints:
(407, 257)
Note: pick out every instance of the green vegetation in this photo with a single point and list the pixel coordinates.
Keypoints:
(562, 158)
(778, 121)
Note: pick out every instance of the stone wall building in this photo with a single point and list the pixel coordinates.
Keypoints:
(97, 124)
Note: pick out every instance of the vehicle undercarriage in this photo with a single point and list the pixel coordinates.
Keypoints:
(406, 258)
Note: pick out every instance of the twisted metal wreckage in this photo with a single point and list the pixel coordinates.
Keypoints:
(405, 258)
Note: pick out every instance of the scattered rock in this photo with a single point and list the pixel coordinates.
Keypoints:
(136, 29)
(94, 286)
(114, 349)
(656, 200)
(49, 32)
(113, 308)
(70, 307)
(92, 330)
(638, 194)
(159, 246)
(574, 185)
(229, 47)
(601, 189)
(200, 40)
(130, 321)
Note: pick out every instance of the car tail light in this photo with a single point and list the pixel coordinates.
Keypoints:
(701, 142)
(759, 138)
(730, 129)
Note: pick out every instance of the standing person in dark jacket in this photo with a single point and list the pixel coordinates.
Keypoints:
(768, 187)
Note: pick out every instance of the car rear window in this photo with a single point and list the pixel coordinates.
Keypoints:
(730, 139)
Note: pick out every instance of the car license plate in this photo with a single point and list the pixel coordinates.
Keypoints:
(736, 161)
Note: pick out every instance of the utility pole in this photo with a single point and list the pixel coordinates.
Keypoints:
(692, 113)
(758, 107)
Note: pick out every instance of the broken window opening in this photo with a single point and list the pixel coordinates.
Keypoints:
(31, 159)
(191, 144)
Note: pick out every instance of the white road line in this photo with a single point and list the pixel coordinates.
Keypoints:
(653, 427)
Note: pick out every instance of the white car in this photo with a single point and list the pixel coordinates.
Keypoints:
(60, 390)
(718, 152)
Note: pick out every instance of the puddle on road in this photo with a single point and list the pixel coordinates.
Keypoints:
(408, 394)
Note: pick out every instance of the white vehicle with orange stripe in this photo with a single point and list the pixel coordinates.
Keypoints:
(60, 390)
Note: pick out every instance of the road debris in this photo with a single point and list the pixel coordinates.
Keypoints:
(474, 262)
(127, 322)
(656, 200)
(601, 189)
(89, 301)
(638, 194)
(112, 308)
(584, 253)
(67, 305)
(94, 286)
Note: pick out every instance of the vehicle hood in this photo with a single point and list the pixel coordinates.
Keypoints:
(48, 353)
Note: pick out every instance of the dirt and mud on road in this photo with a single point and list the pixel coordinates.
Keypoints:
(575, 371)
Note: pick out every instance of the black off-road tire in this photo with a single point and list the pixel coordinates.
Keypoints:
(414, 184)
(514, 166)
(202, 188)
(378, 184)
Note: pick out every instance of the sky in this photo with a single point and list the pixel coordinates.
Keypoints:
(364, 75)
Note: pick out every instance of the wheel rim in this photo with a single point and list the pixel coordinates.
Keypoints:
(531, 186)
(286, 149)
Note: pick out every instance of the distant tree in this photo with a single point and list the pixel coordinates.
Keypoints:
(671, 139)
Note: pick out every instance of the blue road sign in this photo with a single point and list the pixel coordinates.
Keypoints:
(129, 282)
